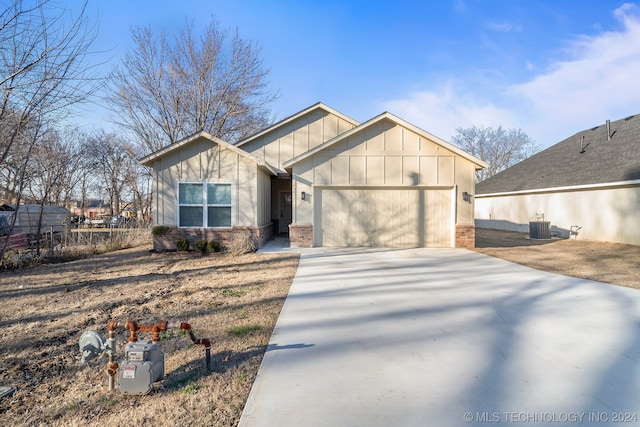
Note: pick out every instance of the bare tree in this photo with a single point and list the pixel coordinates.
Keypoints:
(42, 66)
(55, 167)
(43, 70)
(115, 162)
(170, 88)
(498, 147)
(138, 186)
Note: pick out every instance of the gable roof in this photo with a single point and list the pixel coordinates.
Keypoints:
(314, 107)
(148, 160)
(390, 117)
(587, 158)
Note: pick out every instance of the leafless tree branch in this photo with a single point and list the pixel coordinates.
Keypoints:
(169, 88)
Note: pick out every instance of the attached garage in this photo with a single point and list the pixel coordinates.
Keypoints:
(324, 178)
(384, 183)
(383, 217)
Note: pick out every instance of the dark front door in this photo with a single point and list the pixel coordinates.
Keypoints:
(285, 211)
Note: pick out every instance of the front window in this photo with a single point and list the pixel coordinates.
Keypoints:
(204, 205)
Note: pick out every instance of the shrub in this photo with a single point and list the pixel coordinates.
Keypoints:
(182, 244)
(241, 244)
(160, 230)
(213, 246)
(200, 246)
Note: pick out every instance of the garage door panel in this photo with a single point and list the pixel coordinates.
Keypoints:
(396, 217)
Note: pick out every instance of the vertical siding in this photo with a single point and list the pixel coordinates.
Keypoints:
(297, 137)
(380, 156)
(428, 170)
(284, 148)
(393, 170)
(246, 192)
(357, 170)
(375, 170)
(204, 161)
(465, 181)
(446, 170)
(387, 155)
(264, 198)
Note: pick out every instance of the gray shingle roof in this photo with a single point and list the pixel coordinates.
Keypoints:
(565, 164)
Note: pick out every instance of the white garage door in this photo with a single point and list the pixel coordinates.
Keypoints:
(398, 217)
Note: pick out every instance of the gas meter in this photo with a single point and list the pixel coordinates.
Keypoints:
(143, 362)
(143, 365)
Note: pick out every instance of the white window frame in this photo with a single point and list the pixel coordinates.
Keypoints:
(204, 205)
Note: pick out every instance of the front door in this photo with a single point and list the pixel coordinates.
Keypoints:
(285, 212)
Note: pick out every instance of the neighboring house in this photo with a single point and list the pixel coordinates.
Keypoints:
(321, 178)
(31, 216)
(586, 187)
(93, 209)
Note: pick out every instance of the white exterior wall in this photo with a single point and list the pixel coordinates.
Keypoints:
(203, 161)
(604, 214)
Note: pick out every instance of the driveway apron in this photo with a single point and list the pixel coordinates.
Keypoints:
(446, 337)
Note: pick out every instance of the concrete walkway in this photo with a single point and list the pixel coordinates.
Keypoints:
(446, 337)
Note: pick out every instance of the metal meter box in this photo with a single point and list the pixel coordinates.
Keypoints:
(143, 365)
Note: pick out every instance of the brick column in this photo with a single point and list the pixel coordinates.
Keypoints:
(301, 235)
(465, 236)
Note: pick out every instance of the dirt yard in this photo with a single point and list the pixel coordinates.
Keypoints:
(604, 262)
(233, 301)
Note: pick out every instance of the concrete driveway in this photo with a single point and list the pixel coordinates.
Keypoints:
(446, 337)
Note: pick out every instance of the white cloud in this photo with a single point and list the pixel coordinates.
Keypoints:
(597, 81)
(441, 112)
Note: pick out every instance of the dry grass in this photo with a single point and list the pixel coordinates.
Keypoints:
(613, 263)
(44, 310)
(233, 301)
(241, 244)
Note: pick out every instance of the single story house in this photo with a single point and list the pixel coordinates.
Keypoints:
(586, 187)
(321, 178)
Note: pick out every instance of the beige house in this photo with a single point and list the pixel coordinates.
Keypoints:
(586, 187)
(323, 179)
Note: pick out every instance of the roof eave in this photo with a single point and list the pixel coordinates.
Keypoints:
(151, 158)
(599, 186)
(316, 106)
(479, 164)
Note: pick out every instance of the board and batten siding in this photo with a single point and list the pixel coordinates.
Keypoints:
(603, 214)
(385, 155)
(297, 137)
(382, 159)
(204, 161)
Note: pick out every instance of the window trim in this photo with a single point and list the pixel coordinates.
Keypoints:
(204, 205)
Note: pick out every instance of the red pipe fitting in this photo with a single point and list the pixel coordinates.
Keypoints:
(112, 368)
(111, 326)
(133, 328)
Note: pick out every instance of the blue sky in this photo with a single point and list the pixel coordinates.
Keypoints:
(551, 68)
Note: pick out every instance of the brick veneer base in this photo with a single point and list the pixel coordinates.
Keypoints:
(465, 236)
(260, 234)
(301, 236)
